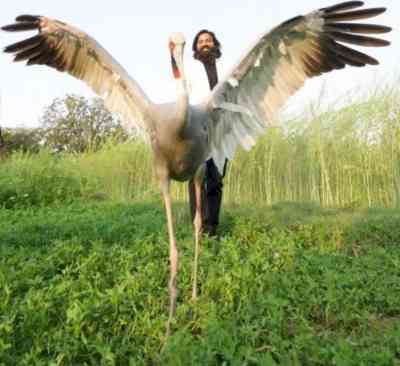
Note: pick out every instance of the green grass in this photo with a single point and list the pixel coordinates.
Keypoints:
(338, 158)
(288, 284)
(84, 253)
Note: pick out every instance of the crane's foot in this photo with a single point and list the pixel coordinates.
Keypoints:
(173, 292)
(194, 293)
(168, 329)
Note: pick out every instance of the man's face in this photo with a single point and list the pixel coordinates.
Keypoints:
(205, 44)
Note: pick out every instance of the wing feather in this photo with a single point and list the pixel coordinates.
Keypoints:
(68, 49)
(278, 65)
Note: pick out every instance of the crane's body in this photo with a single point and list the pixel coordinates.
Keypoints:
(180, 144)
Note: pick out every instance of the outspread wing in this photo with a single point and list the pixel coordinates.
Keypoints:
(68, 49)
(278, 64)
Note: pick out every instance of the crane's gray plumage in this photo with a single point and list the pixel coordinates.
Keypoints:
(238, 109)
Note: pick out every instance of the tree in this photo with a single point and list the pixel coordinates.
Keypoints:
(19, 139)
(75, 124)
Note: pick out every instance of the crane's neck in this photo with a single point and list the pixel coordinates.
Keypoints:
(182, 101)
(182, 91)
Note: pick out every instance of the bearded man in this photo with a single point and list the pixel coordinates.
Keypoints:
(207, 49)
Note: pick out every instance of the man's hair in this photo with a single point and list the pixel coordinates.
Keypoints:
(217, 46)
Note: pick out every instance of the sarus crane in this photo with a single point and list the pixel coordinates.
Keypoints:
(237, 110)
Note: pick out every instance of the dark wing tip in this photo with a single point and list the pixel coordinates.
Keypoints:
(21, 26)
(357, 28)
(359, 40)
(336, 28)
(347, 5)
(7, 27)
(378, 11)
(27, 18)
(352, 15)
(8, 49)
(25, 44)
(23, 23)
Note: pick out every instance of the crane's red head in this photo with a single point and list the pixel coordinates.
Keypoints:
(176, 45)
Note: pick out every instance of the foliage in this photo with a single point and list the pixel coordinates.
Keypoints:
(27, 140)
(118, 172)
(75, 124)
(36, 180)
(291, 284)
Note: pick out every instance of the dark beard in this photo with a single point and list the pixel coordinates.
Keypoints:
(207, 56)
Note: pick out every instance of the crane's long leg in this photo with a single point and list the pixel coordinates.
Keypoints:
(173, 254)
(197, 223)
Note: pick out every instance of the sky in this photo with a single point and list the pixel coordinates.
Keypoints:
(136, 34)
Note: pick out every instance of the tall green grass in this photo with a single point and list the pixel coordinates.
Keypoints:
(345, 158)
(349, 157)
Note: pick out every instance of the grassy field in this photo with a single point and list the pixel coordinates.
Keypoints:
(288, 284)
(306, 270)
